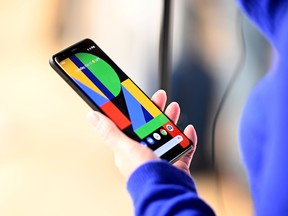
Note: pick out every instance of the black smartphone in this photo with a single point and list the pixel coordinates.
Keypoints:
(106, 88)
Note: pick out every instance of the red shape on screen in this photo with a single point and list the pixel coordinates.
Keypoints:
(115, 115)
(173, 131)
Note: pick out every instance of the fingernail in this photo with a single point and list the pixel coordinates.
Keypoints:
(176, 103)
(93, 118)
(191, 125)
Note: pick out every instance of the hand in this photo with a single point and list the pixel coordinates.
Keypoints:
(129, 154)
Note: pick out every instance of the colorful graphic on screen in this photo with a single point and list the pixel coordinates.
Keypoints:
(105, 87)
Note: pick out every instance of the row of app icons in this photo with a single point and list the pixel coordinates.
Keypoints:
(157, 136)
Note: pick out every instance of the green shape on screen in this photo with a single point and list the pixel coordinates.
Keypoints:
(102, 71)
(151, 126)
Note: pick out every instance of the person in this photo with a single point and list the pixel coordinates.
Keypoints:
(158, 188)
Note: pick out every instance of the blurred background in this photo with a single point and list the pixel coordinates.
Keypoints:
(52, 163)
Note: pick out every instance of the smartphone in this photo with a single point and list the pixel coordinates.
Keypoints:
(106, 88)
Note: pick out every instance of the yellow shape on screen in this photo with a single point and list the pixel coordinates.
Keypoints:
(73, 71)
(141, 97)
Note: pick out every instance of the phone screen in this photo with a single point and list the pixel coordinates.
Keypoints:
(104, 84)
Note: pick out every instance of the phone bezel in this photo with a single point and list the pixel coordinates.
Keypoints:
(172, 155)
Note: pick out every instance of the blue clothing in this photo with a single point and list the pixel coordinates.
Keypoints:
(158, 188)
(264, 124)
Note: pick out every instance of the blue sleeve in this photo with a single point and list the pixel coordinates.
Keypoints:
(272, 197)
(157, 188)
(267, 15)
(268, 176)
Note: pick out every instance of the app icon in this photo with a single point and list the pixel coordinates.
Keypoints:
(169, 127)
(143, 143)
(163, 132)
(150, 140)
(156, 136)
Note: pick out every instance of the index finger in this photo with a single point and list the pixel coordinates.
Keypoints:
(160, 99)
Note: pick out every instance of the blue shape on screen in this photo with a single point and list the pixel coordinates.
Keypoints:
(97, 98)
(134, 109)
(144, 143)
(92, 77)
(150, 140)
(148, 117)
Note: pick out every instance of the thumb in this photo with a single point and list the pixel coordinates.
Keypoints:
(129, 154)
(111, 134)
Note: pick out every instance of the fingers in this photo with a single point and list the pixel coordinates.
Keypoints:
(160, 99)
(190, 132)
(128, 154)
(173, 112)
(184, 162)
